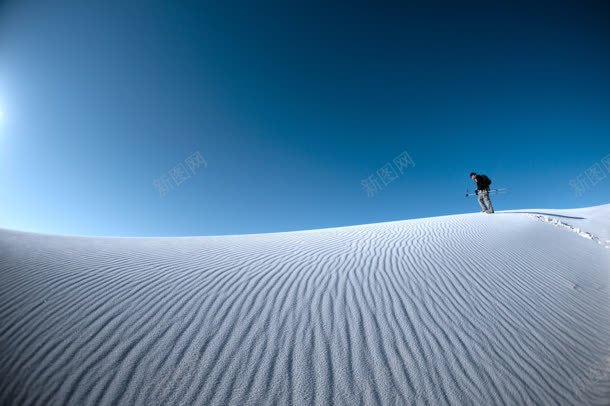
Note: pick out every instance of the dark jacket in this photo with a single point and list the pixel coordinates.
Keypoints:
(482, 182)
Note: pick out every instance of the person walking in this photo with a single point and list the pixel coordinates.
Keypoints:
(482, 191)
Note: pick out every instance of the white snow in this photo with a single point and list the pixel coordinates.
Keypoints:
(465, 309)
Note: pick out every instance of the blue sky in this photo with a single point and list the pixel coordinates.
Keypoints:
(292, 107)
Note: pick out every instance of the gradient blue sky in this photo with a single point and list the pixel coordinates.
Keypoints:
(292, 107)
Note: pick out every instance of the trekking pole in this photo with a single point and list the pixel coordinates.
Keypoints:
(491, 191)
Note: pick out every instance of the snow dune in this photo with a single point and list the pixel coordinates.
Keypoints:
(466, 309)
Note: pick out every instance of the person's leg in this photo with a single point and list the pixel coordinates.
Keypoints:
(488, 202)
(480, 197)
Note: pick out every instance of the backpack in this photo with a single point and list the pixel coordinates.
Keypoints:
(485, 181)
